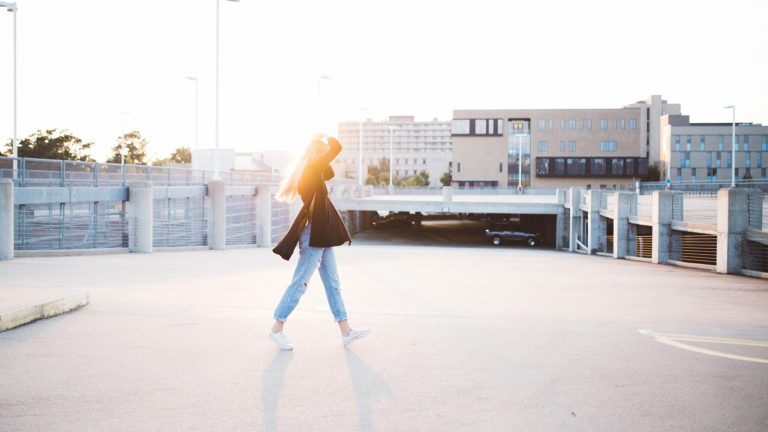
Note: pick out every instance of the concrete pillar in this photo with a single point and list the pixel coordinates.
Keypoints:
(264, 214)
(595, 227)
(732, 221)
(447, 194)
(6, 219)
(621, 224)
(140, 217)
(661, 221)
(575, 216)
(560, 221)
(217, 197)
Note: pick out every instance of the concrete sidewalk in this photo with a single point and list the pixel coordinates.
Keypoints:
(465, 338)
(25, 302)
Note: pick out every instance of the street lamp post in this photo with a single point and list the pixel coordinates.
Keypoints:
(194, 79)
(320, 80)
(360, 152)
(391, 152)
(216, 120)
(13, 8)
(733, 145)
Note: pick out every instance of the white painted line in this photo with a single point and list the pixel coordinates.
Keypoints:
(675, 341)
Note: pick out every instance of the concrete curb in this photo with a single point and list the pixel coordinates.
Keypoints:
(18, 317)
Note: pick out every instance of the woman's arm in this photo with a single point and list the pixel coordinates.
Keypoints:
(334, 148)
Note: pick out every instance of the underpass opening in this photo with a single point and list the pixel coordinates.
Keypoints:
(460, 229)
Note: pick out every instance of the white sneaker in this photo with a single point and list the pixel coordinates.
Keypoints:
(355, 334)
(280, 340)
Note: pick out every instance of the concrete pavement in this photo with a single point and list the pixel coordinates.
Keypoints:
(469, 338)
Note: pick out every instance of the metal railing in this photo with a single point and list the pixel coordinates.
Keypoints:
(705, 187)
(59, 226)
(31, 172)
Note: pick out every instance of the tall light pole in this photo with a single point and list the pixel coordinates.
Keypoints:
(216, 126)
(320, 80)
(13, 8)
(391, 151)
(194, 79)
(360, 150)
(733, 145)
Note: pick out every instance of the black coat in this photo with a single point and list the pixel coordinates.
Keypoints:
(328, 227)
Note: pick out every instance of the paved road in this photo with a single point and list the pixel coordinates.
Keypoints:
(465, 338)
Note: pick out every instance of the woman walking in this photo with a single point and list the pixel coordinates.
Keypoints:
(317, 229)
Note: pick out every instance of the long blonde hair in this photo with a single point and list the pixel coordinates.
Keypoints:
(289, 187)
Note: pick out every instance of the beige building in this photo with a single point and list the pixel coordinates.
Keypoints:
(703, 151)
(601, 148)
(415, 146)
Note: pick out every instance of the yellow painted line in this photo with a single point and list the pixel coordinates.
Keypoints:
(674, 340)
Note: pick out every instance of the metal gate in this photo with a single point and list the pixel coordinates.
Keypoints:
(241, 220)
(179, 222)
(70, 226)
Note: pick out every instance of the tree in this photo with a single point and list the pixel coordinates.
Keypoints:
(378, 175)
(135, 149)
(181, 155)
(58, 144)
(420, 179)
(446, 179)
(653, 174)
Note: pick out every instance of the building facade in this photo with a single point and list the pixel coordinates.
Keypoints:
(415, 146)
(703, 151)
(550, 148)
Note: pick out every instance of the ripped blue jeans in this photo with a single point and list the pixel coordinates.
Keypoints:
(311, 258)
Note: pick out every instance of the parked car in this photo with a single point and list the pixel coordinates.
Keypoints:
(392, 221)
(499, 233)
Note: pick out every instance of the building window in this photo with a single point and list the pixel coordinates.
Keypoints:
(562, 124)
(693, 174)
(597, 167)
(677, 142)
(572, 124)
(542, 166)
(701, 143)
(458, 166)
(542, 124)
(721, 143)
(560, 166)
(748, 161)
(712, 173)
(549, 124)
(481, 126)
(501, 166)
(617, 167)
(632, 124)
(423, 161)
(746, 143)
(762, 174)
(581, 124)
(622, 124)
(572, 146)
(629, 166)
(607, 146)
(709, 160)
(460, 127)
(604, 124)
(614, 124)
(730, 161)
(688, 143)
(543, 146)
(759, 159)
(562, 146)
(589, 124)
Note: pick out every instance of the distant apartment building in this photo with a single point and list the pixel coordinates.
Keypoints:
(415, 146)
(703, 151)
(549, 148)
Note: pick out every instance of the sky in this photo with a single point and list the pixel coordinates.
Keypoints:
(82, 63)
